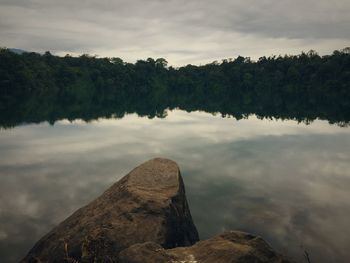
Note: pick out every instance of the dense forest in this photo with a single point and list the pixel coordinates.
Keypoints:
(43, 87)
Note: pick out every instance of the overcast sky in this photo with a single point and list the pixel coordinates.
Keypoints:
(182, 31)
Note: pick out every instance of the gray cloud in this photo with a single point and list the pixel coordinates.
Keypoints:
(205, 30)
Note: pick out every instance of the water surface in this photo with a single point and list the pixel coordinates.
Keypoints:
(283, 180)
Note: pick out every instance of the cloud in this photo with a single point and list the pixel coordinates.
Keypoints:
(202, 30)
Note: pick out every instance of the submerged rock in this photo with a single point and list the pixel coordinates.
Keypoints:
(145, 218)
(229, 247)
(148, 204)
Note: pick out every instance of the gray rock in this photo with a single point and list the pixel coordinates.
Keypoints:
(148, 204)
(229, 247)
(144, 218)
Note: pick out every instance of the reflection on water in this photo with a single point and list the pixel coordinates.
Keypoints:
(285, 181)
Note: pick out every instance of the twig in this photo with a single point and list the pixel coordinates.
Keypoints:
(306, 255)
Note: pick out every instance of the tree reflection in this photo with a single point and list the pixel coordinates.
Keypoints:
(36, 88)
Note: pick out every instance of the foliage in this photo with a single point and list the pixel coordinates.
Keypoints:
(36, 88)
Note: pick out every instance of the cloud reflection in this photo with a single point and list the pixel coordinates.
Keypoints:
(285, 181)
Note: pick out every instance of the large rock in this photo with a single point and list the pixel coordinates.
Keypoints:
(229, 247)
(144, 218)
(147, 205)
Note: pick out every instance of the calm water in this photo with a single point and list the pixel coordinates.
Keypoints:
(285, 181)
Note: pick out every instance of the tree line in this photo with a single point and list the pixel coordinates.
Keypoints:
(43, 87)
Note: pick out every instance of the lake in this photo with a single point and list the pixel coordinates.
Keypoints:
(286, 181)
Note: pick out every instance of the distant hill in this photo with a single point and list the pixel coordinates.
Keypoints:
(18, 51)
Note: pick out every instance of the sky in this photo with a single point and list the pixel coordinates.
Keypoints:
(182, 31)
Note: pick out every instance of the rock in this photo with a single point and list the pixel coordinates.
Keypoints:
(229, 247)
(147, 205)
(144, 218)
